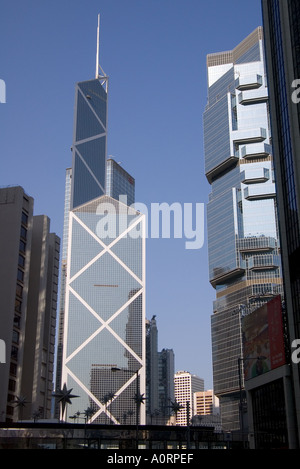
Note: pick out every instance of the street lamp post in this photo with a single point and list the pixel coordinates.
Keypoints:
(242, 360)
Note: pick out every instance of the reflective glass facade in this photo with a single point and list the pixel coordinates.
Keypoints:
(119, 182)
(104, 320)
(89, 144)
(244, 259)
(101, 350)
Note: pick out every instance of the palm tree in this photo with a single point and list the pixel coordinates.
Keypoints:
(176, 407)
(88, 413)
(110, 396)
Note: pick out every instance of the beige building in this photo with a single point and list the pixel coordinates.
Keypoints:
(205, 402)
(29, 256)
(185, 385)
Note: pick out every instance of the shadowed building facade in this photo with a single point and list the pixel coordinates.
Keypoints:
(282, 46)
(28, 294)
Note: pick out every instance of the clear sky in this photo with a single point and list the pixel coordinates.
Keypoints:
(154, 52)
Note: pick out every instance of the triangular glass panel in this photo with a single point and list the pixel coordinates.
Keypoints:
(87, 124)
(93, 364)
(129, 250)
(85, 186)
(94, 154)
(105, 286)
(84, 248)
(97, 97)
(81, 324)
(128, 325)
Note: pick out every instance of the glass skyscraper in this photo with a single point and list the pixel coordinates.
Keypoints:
(105, 311)
(119, 182)
(89, 144)
(243, 245)
(101, 350)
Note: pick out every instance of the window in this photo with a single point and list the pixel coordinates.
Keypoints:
(11, 385)
(20, 275)
(17, 321)
(23, 232)
(18, 305)
(15, 337)
(13, 369)
(14, 354)
(19, 290)
(24, 218)
(22, 246)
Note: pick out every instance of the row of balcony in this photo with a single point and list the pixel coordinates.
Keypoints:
(248, 143)
(261, 257)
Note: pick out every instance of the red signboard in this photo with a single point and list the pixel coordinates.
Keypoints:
(263, 342)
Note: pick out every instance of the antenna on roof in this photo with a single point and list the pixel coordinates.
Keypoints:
(102, 76)
(97, 52)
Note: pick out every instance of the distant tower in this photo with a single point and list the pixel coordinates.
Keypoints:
(152, 402)
(166, 365)
(159, 377)
(186, 385)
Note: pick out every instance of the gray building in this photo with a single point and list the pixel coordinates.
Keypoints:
(152, 404)
(159, 377)
(166, 370)
(243, 238)
(28, 291)
(40, 330)
(63, 276)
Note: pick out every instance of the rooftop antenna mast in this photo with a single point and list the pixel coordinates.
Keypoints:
(99, 72)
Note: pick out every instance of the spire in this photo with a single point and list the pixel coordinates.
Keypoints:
(99, 72)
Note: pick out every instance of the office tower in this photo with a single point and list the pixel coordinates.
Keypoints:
(89, 140)
(103, 345)
(282, 43)
(119, 183)
(86, 179)
(40, 330)
(166, 365)
(16, 212)
(105, 310)
(185, 385)
(206, 403)
(152, 404)
(63, 276)
(207, 410)
(159, 377)
(28, 292)
(243, 243)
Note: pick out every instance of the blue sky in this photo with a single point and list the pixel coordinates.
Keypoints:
(154, 52)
